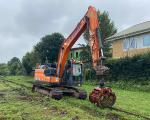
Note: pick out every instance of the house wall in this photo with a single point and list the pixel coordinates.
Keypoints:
(119, 49)
(75, 54)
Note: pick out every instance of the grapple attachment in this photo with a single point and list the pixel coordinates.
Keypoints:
(102, 97)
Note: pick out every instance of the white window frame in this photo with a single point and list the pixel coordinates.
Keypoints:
(129, 41)
(146, 35)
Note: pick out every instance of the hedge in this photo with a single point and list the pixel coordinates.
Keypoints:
(135, 67)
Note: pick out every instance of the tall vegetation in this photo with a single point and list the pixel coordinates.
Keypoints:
(29, 61)
(4, 69)
(15, 67)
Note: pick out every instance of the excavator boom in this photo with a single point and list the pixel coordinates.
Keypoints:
(90, 22)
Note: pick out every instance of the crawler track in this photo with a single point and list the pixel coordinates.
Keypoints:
(58, 91)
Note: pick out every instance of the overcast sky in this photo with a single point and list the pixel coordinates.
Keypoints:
(24, 22)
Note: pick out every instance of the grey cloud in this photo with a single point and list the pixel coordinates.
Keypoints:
(128, 12)
(24, 22)
(48, 16)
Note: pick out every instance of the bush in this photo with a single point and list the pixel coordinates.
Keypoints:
(3, 69)
(135, 67)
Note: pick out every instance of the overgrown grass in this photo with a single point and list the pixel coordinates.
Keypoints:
(18, 103)
(131, 85)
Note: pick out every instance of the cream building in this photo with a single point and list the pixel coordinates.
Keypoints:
(131, 41)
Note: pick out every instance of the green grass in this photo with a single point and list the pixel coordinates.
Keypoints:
(19, 103)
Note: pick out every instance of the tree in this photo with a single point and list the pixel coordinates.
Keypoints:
(48, 48)
(4, 69)
(85, 55)
(15, 66)
(107, 29)
(45, 51)
(29, 61)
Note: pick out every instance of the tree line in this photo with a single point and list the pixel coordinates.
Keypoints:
(43, 52)
(46, 51)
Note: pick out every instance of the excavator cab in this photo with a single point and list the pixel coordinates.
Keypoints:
(50, 69)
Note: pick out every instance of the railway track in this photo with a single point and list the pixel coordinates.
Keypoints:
(111, 108)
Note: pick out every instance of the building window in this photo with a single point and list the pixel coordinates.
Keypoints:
(126, 44)
(132, 43)
(146, 40)
(77, 55)
(129, 43)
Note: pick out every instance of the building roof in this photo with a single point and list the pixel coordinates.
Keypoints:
(132, 31)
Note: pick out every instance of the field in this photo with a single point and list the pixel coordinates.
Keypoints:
(17, 102)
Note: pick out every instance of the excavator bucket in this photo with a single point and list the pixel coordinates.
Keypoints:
(102, 97)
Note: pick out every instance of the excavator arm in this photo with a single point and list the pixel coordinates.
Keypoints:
(90, 21)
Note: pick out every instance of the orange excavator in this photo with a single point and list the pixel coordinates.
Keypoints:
(59, 79)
